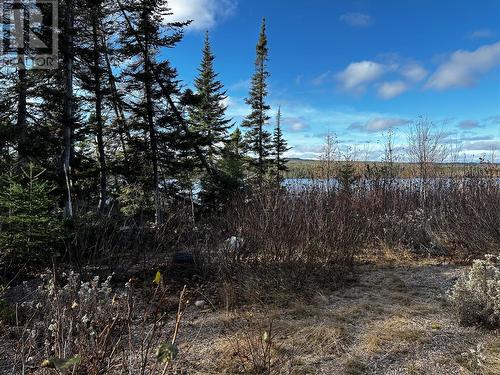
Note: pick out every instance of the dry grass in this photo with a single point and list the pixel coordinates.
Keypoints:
(323, 338)
(391, 320)
(354, 366)
(484, 359)
(392, 335)
(492, 362)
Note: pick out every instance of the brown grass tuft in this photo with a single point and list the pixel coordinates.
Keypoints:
(396, 334)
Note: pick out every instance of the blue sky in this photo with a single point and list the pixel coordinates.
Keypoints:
(357, 68)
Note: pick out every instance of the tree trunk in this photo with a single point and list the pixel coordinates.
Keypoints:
(166, 93)
(21, 113)
(152, 131)
(22, 86)
(98, 112)
(68, 116)
(117, 106)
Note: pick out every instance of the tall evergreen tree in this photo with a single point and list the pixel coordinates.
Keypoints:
(9, 130)
(16, 80)
(90, 74)
(232, 162)
(143, 35)
(207, 116)
(14, 94)
(280, 146)
(119, 128)
(218, 190)
(258, 139)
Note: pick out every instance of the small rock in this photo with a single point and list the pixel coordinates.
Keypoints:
(200, 304)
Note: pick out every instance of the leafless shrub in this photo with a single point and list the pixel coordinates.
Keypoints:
(90, 328)
(121, 241)
(257, 350)
(309, 229)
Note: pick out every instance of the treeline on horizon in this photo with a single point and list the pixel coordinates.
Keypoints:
(315, 169)
(113, 121)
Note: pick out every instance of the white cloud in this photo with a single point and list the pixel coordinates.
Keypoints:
(236, 107)
(494, 119)
(243, 85)
(468, 124)
(389, 90)
(414, 72)
(204, 13)
(298, 127)
(356, 19)
(305, 125)
(322, 78)
(355, 77)
(379, 124)
(309, 148)
(477, 138)
(295, 125)
(227, 101)
(481, 34)
(482, 146)
(464, 68)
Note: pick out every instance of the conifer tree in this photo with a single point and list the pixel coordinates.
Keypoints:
(280, 146)
(144, 34)
(207, 116)
(232, 163)
(31, 228)
(258, 139)
(90, 73)
(219, 189)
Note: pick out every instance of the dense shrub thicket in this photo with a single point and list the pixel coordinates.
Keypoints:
(304, 226)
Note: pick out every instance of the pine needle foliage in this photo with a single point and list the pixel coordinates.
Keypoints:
(257, 137)
(208, 116)
(30, 227)
(280, 147)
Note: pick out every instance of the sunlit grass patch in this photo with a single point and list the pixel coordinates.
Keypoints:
(393, 335)
(323, 339)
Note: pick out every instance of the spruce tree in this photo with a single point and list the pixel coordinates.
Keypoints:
(89, 75)
(218, 190)
(232, 162)
(31, 228)
(280, 146)
(142, 37)
(258, 139)
(207, 116)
